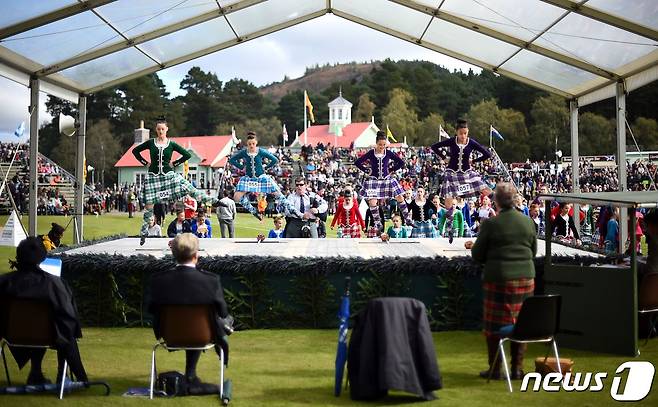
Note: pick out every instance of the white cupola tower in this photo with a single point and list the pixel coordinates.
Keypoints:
(340, 114)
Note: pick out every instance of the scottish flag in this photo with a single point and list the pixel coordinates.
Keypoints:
(20, 130)
(495, 133)
(341, 352)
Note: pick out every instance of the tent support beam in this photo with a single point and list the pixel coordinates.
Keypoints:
(34, 156)
(621, 160)
(575, 158)
(80, 136)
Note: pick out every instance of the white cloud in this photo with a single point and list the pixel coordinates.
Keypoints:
(14, 104)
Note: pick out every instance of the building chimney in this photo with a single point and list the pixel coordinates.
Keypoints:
(141, 134)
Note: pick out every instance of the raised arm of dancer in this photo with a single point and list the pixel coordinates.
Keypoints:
(486, 154)
(445, 143)
(185, 155)
(236, 160)
(360, 162)
(397, 162)
(137, 152)
(273, 160)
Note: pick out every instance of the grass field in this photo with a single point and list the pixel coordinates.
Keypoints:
(118, 223)
(296, 368)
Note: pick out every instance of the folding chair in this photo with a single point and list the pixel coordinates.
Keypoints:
(648, 300)
(30, 324)
(538, 321)
(187, 327)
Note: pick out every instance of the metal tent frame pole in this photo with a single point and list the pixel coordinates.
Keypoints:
(575, 159)
(621, 160)
(34, 156)
(81, 133)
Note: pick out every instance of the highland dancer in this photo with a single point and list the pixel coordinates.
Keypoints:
(381, 184)
(162, 182)
(348, 217)
(459, 179)
(255, 180)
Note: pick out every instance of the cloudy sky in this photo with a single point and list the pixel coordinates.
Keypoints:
(328, 39)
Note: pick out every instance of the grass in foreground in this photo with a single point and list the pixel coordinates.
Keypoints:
(296, 368)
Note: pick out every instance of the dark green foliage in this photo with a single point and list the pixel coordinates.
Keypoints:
(276, 292)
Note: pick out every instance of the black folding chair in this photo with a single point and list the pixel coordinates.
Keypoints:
(29, 324)
(538, 321)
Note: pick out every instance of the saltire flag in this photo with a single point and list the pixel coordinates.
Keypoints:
(235, 138)
(20, 130)
(341, 352)
(495, 133)
(285, 134)
(442, 133)
(307, 104)
(389, 135)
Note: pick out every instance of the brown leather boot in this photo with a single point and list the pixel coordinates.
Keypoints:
(518, 350)
(492, 347)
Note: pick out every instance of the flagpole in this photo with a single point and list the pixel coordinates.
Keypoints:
(490, 136)
(304, 104)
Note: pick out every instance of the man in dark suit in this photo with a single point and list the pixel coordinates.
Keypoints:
(186, 285)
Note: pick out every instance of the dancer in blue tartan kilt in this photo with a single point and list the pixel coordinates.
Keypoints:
(421, 213)
(459, 179)
(380, 164)
(251, 159)
(162, 183)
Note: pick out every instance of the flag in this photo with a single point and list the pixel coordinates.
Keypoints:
(20, 130)
(307, 103)
(495, 133)
(389, 135)
(235, 139)
(84, 171)
(442, 133)
(285, 134)
(341, 351)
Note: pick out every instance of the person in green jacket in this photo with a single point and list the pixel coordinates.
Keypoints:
(397, 230)
(162, 183)
(506, 245)
(451, 222)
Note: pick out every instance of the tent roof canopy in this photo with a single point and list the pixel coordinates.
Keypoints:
(578, 49)
(642, 199)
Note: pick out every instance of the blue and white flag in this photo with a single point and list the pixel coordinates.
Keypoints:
(20, 130)
(495, 133)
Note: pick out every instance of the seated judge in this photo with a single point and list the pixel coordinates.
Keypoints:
(187, 285)
(30, 282)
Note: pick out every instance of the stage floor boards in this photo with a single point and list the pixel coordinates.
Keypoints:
(363, 248)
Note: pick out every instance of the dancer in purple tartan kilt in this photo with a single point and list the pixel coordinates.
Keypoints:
(460, 179)
(380, 164)
(251, 159)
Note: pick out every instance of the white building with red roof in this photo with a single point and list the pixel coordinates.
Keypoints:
(340, 131)
(209, 153)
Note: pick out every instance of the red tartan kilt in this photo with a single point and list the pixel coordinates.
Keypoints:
(351, 231)
(373, 232)
(502, 302)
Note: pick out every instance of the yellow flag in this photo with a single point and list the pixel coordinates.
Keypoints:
(390, 135)
(84, 171)
(307, 103)
(186, 169)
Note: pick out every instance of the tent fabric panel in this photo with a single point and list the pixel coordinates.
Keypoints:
(107, 68)
(14, 12)
(270, 13)
(189, 40)
(387, 14)
(62, 39)
(643, 12)
(521, 19)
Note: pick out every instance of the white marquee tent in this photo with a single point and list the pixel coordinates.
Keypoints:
(584, 50)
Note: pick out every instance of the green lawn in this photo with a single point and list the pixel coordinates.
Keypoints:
(296, 368)
(118, 223)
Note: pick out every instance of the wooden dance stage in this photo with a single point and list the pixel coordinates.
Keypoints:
(350, 248)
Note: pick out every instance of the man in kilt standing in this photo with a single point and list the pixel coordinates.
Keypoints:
(162, 183)
(380, 163)
(459, 179)
(507, 246)
(251, 159)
